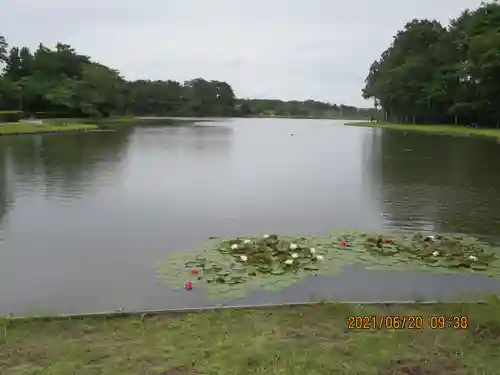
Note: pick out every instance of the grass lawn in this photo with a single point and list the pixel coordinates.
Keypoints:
(305, 340)
(445, 129)
(28, 128)
(120, 119)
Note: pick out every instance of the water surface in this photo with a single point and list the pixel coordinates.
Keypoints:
(85, 217)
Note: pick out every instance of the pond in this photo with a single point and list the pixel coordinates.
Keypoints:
(85, 218)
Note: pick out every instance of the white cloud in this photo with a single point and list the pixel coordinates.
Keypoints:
(288, 49)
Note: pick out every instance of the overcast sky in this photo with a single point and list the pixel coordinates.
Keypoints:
(286, 49)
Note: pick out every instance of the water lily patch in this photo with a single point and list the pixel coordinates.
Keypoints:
(230, 268)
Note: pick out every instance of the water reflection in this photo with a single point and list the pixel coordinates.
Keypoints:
(195, 141)
(6, 186)
(58, 166)
(90, 215)
(434, 182)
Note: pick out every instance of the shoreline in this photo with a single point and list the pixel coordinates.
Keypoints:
(48, 132)
(305, 117)
(24, 128)
(321, 338)
(62, 125)
(458, 130)
(174, 311)
(225, 118)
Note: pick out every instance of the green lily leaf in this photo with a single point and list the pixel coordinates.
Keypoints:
(224, 272)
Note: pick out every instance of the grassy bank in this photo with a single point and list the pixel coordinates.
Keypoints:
(118, 119)
(444, 129)
(117, 122)
(289, 340)
(28, 128)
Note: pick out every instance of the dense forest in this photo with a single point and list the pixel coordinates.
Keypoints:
(437, 74)
(60, 82)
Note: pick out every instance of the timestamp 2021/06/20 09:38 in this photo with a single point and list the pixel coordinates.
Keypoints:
(375, 322)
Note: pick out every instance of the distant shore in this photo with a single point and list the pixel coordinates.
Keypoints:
(307, 117)
(442, 129)
(24, 128)
(211, 118)
(314, 339)
(60, 125)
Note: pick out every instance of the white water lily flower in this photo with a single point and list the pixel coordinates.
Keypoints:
(289, 262)
(320, 257)
(472, 257)
(295, 255)
(266, 236)
(435, 253)
(234, 246)
(293, 246)
(244, 258)
(312, 250)
(431, 238)
(247, 241)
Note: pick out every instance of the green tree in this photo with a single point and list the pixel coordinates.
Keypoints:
(100, 92)
(3, 49)
(12, 69)
(433, 74)
(61, 82)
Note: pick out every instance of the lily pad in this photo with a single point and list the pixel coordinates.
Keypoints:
(229, 267)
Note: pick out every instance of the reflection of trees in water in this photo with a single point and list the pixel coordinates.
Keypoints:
(69, 164)
(214, 139)
(451, 183)
(6, 185)
(203, 140)
(76, 163)
(65, 163)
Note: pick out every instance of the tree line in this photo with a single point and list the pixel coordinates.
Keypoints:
(441, 74)
(60, 82)
(308, 108)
